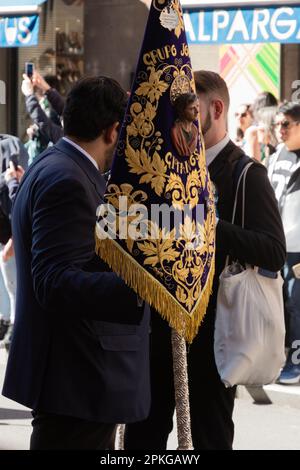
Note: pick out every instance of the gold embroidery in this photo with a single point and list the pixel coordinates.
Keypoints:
(166, 267)
(153, 88)
(180, 85)
(180, 26)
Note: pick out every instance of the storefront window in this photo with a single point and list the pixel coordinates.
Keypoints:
(69, 45)
(59, 55)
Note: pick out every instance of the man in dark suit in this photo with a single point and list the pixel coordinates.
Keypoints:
(79, 353)
(261, 243)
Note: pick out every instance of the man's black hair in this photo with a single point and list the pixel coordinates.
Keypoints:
(290, 109)
(92, 106)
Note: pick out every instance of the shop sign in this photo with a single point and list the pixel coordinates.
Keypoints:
(19, 31)
(243, 25)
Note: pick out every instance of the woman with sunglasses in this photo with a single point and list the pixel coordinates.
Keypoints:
(244, 120)
(266, 133)
(255, 144)
(247, 132)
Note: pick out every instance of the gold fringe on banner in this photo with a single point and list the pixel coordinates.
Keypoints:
(154, 293)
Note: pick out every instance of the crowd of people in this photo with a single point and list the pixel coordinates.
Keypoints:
(255, 127)
(44, 105)
(69, 148)
(269, 132)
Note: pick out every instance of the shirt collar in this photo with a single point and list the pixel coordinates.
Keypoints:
(82, 151)
(213, 151)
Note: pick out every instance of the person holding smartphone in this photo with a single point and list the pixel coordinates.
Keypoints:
(29, 67)
(48, 130)
(49, 86)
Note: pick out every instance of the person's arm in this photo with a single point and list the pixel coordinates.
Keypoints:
(252, 147)
(8, 250)
(50, 131)
(12, 185)
(62, 249)
(55, 99)
(13, 177)
(262, 242)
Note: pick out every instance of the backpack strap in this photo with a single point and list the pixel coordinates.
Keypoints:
(241, 180)
(238, 169)
(239, 177)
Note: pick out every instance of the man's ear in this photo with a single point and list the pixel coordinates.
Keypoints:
(111, 133)
(218, 109)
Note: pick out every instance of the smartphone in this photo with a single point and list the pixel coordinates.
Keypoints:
(267, 273)
(29, 68)
(14, 159)
(296, 270)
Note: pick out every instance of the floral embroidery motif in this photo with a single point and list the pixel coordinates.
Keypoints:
(177, 259)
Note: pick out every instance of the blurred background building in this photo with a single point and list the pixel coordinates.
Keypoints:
(255, 45)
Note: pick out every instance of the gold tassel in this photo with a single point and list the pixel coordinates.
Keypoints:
(150, 290)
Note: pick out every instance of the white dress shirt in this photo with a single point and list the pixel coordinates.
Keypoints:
(213, 151)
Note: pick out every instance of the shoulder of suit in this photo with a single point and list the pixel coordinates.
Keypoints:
(232, 146)
(258, 175)
(58, 166)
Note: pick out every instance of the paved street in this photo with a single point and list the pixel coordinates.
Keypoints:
(14, 419)
(273, 426)
(266, 427)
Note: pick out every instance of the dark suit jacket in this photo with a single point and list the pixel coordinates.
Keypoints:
(262, 242)
(80, 343)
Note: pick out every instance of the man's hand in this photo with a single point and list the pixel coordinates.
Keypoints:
(39, 82)
(27, 86)
(11, 172)
(8, 250)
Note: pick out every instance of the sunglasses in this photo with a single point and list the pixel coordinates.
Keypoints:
(242, 115)
(285, 124)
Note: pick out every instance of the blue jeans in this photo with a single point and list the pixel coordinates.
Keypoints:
(292, 298)
(8, 284)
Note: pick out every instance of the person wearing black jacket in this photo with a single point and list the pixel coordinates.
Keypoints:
(261, 243)
(54, 97)
(49, 130)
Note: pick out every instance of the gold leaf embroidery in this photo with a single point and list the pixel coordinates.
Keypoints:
(161, 249)
(176, 185)
(153, 169)
(187, 230)
(179, 258)
(132, 197)
(182, 194)
(180, 27)
(192, 188)
(154, 88)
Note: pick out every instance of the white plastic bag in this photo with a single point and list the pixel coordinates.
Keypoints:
(249, 329)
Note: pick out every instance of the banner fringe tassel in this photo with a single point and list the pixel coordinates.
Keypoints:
(153, 292)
